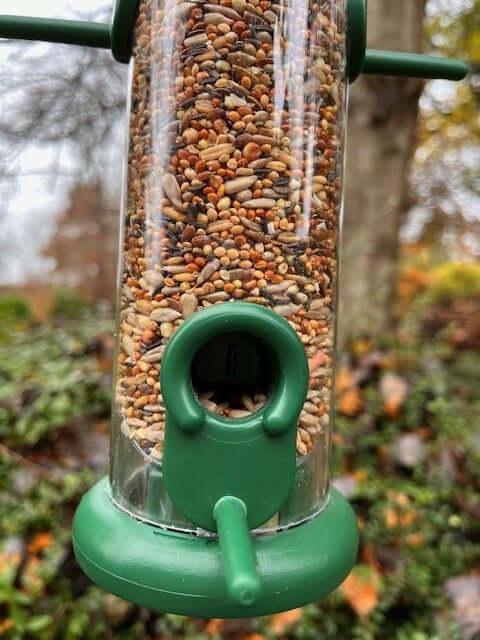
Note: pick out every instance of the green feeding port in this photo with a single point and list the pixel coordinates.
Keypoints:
(234, 368)
(260, 451)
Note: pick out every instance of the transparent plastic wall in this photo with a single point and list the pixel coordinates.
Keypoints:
(233, 191)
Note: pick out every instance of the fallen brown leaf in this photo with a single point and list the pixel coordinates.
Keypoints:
(399, 498)
(344, 380)
(5, 626)
(391, 518)
(40, 542)
(411, 282)
(402, 515)
(415, 540)
(104, 364)
(361, 590)
(360, 475)
(351, 402)
(215, 625)
(408, 518)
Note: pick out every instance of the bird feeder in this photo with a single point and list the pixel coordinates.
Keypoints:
(218, 502)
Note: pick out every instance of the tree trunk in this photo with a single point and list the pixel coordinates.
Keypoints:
(381, 132)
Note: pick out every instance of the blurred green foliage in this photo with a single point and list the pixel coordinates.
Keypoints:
(420, 523)
(453, 281)
(445, 176)
(456, 34)
(69, 304)
(49, 378)
(15, 312)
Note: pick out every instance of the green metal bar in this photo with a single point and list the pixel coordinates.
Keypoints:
(87, 34)
(243, 581)
(391, 63)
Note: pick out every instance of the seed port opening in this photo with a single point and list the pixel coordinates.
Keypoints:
(233, 374)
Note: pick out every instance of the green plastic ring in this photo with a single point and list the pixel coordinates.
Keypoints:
(123, 26)
(216, 450)
(357, 37)
(289, 393)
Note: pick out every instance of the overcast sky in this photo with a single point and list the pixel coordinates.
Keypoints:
(35, 198)
(48, 8)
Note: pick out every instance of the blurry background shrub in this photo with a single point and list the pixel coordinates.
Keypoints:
(407, 445)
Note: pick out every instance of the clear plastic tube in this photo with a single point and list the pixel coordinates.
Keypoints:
(233, 191)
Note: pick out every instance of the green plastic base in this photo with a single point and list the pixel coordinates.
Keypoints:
(180, 573)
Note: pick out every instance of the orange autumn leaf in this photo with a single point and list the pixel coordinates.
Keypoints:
(344, 380)
(40, 542)
(399, 498)
(215, 625)
(281, 621)
(5, 626)
(415, 540)
(402, 515)
(253, 636)
(359, 475)
(408, 518)
(361, 590)
(411, 282)
(350, 399)
(351, 402)
(391, 518)
(392, 406)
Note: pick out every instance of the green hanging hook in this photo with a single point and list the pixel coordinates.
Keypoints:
(119, 38)
(87, 34)
(391, 63)
(116, 36)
